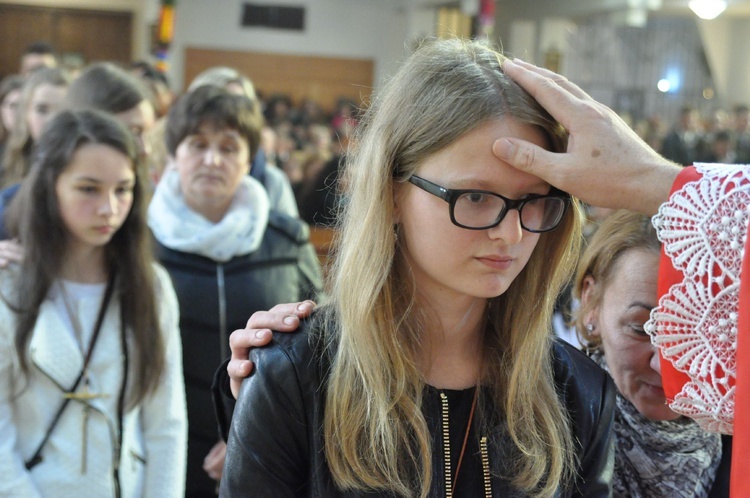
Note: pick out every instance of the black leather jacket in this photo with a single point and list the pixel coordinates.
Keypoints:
(276, 443)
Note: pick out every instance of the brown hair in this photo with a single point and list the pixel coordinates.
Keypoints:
(216, 106)
(620, 232)
(43, 234)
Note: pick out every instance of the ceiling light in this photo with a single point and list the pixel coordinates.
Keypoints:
(707, 9)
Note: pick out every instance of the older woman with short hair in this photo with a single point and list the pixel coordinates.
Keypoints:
(229, 254)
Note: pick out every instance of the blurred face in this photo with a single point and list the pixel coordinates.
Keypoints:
(29, 62)
(9, 109)
(741, 120)
(625, 307)
(451, 264)
(46, 100)
(690, 120)
(95, 194)
(139, 120)
(236, 88)
(211, 164)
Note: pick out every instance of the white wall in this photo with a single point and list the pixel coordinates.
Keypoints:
(363, 29)
(726, 41)
(738, 89)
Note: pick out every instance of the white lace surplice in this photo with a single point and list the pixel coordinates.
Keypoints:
(703, 228)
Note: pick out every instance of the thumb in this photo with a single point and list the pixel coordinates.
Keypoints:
(523, 156)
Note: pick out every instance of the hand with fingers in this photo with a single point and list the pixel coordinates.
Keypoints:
(606, 163)
(213, 464)
(257, 333)
(11, 251)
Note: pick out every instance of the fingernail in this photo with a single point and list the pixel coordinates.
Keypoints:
(290, 320)
(303, 307)
(505, 148)
(260, 334)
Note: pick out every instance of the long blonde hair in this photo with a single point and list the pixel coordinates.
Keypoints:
(375, 434)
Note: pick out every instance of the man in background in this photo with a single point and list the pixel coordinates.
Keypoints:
(38, 54)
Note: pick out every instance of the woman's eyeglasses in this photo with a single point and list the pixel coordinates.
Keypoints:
(481, 209)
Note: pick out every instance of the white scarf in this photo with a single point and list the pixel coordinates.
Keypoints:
(178, 227)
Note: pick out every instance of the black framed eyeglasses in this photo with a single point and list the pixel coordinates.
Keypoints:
(482, 209)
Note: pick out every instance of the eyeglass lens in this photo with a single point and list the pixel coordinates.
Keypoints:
(478, 210)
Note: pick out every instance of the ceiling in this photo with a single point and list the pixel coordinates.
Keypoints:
(735, 8)
(534, 9)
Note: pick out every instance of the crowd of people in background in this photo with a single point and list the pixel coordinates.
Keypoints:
(204, 187)
(721, 136)
(300, 139)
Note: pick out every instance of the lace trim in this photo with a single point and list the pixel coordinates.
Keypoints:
(703, 227)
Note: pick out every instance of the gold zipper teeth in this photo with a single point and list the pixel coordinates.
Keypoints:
(486, 467)
(446, 446)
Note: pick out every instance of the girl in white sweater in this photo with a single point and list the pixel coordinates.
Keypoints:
(92, 400)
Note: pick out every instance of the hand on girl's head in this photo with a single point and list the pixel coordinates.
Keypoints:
(606, 164)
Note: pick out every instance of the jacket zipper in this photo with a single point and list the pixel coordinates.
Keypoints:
(487, 478)
(223, 339)
(485, 467)
(446, 446)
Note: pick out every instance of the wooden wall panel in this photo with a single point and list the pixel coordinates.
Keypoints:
(93, 35)
(97, 35)
(321, 79)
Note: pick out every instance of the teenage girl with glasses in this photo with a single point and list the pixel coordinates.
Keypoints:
(434, 372)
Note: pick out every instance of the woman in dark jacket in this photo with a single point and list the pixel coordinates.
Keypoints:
(228, 254)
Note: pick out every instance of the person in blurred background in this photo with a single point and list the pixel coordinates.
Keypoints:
(37, 55)
(109, 88)
(10, 96)
(272, 178)
(227, 251)
(42, 96)
(681, 144)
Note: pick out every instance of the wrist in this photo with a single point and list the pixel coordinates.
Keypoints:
(654, 186)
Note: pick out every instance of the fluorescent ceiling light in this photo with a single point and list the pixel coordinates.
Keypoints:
(707, 9)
